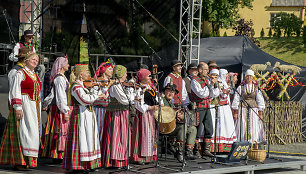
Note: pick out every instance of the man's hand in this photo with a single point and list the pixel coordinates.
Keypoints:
(180, 116)
(19, 114)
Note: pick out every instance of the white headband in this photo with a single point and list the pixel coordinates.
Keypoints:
(214, 71)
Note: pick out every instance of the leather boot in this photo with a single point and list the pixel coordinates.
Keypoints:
(197, 150)
(206, 151)
(179, 154)
(189, 154)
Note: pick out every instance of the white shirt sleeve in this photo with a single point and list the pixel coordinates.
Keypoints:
(167, 80)
(236, 99)
(12, 56)
(60, 93)
(141, 106)
(34, 51)
(15, 91)
(214, 92)
(185, 98)
(11, 76)
(260, 100)
(198, 90)
(81, 96)
(47, 101)
(117, 92)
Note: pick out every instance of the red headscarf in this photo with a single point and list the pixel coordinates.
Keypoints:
(102, 68)
(142, 74)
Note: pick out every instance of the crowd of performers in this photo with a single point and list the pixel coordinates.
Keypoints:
(110, 123)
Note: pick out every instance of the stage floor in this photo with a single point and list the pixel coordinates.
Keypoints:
(195, 166)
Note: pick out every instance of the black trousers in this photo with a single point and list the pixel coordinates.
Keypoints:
(205, 118)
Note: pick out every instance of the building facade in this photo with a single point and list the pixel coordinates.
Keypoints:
(264, 10)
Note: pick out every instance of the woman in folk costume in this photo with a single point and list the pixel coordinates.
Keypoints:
(21, 138)
(116, 134)
(252, 125)
(82, 149)
(226, 134)
(58, 118)
(105, 72)
(143, 136)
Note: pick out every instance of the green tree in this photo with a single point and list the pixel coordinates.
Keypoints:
(270, 32)
(225, 34)
(286, 23)
(262, 33)
(223, 13)
(245, 28)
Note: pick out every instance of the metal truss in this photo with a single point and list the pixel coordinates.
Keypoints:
(31, 19)
(190, 31)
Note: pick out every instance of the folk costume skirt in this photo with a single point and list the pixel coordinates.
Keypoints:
(143, 138)
(115, 139)
(72, 157)
(55, 136)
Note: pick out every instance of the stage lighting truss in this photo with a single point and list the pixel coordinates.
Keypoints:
(190, 31)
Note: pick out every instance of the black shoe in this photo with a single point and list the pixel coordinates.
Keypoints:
(189, 155)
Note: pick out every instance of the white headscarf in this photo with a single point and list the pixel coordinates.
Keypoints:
(222, 77)
(249, 72)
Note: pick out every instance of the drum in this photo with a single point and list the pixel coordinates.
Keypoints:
(167, 122)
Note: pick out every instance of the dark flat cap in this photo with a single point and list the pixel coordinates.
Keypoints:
(176, 62)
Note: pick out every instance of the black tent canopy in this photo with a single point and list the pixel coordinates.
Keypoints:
(236, 54)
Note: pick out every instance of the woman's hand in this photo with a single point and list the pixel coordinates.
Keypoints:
(102, 96)
(67, 117)
(235, 115)
(153, 108)
(260, 115)
(19, 114)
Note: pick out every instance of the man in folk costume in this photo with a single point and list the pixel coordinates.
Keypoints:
(192, 71)
(143, 136)
(175, 76)
(104, 72)
(82, 151)
(21, 138)
(201, 92)
(25, 42)
(190, 129)
(252, 115)
(20, 64)
(220, 107)
(116, 134)
(55, 136)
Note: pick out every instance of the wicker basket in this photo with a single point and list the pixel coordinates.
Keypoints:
(256, 153)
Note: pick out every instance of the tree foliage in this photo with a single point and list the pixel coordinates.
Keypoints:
(223, 13)
(270, 32)
(245, 28)
(262, 33)
(286, 23)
